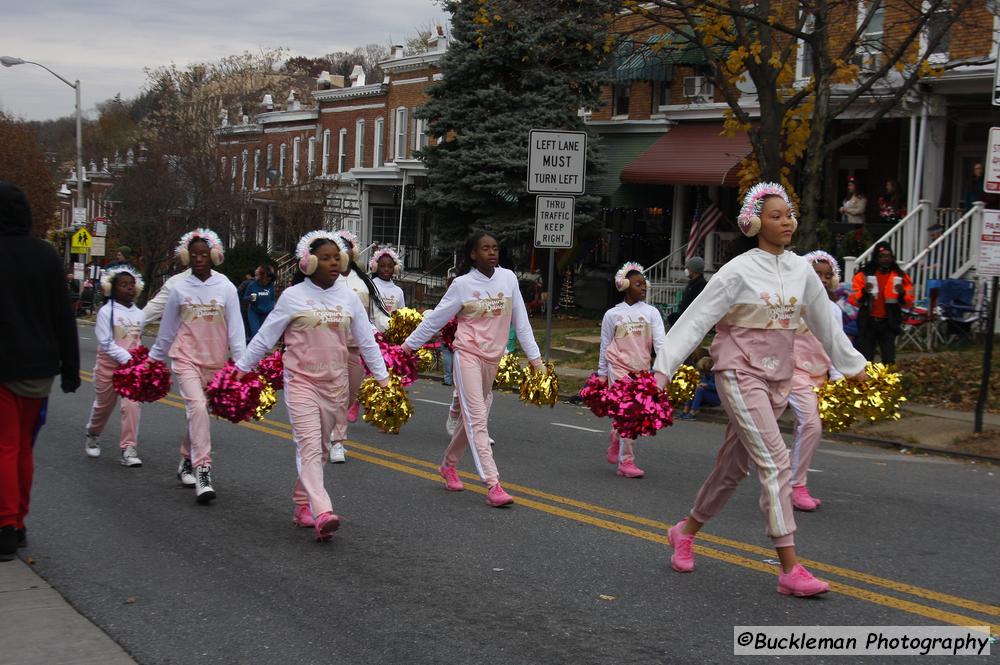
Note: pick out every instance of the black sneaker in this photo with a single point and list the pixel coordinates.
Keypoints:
(22, 537)
(8, 543)
(185, 473)
(203, 484)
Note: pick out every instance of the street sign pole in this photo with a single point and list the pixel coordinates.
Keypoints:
(549, 305)
(984, 386)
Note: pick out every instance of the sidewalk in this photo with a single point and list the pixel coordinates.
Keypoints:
(40, 628)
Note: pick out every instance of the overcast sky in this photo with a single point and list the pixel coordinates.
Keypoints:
(107, 43)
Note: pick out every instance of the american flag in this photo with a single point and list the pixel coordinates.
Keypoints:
(703, 222)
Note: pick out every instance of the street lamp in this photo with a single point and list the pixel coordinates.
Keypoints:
(8, 61)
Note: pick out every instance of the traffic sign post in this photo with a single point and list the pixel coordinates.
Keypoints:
(991, 179)
(557, 164)
(996, 83)
(100, 226)
(98, 246)
(988, 266)
(79, 216)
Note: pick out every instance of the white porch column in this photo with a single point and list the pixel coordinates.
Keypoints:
(270, 228)
(261, 223)
(710, 251)
(677, 221)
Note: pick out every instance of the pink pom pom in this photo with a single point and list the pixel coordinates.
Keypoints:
(273, 370)
(595, 395)
(638, 407)
(399, 362)
(231, 399)
(447, 333)
(141, 379)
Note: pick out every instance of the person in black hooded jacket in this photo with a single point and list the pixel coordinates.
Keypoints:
(38, 341)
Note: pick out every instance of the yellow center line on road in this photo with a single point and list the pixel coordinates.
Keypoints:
(282, 430)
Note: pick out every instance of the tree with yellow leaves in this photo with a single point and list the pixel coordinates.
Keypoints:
(810, 63)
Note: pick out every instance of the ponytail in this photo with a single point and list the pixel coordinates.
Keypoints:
(373, 293)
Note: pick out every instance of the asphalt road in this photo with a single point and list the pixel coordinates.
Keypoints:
(576, 571)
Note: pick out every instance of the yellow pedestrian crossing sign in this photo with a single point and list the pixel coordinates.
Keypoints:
(81, 242)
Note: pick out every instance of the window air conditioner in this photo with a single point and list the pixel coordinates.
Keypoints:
(697, 86)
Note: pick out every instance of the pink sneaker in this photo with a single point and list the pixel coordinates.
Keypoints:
(682, 560)
(326, 524)
(352, 413)
(630, 470)
(614, 449)
(801, 499)
(451, 479)
(496, 497)
(800, 582)
(302, 516)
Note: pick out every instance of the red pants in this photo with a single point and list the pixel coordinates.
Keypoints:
(18, 420)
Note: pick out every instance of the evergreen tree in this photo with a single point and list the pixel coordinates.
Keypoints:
(511, 67)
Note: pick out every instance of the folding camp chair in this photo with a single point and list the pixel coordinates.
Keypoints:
(958, 312)
(920, 328)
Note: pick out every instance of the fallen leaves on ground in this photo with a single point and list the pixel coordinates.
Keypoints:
(949, 379)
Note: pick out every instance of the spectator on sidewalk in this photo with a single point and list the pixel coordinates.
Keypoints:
(260, 297)
(73, 285)
(39, 343)
(880, 291)
(853, 208)
(696, 284)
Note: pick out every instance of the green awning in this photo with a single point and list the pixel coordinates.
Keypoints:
(672, 48)
(638, 62)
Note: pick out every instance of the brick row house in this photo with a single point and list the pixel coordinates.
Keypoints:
(661, 122)
(348, 156)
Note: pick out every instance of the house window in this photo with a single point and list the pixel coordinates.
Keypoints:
(270, 156)
(232, 176)
(282, 158)
(870, 44)
(359, 144)
(399, 149)
(256, 169)
(804, 61)
(385, 225)
(296, 153)
(222, 173)
(620, 99)
(421, 139)
(378, 157)
(936, 28)
(326, 152)
(243, 174)
(342, 152)
(311, 158)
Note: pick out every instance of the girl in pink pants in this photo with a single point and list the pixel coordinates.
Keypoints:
(486, 299)
(118, 330)
(361, 284)
(812, 369)
(317, 316)
(629, 333)
(756, 301)
(201, 328)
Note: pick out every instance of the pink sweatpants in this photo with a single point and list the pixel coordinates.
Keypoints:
(191, 382)
(626, 447)
(804, 402)
(314, 409)
(752, 437)
(355, 375)
(474, 385)
(104, 405)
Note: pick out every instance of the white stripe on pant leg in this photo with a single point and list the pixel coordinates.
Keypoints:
(466, 417)
(799, 420)
(749, 428)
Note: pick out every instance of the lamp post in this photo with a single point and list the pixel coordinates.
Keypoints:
(8, 61)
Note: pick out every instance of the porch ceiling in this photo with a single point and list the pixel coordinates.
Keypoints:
(690, 154)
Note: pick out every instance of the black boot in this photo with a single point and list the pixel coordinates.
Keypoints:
(8, 543)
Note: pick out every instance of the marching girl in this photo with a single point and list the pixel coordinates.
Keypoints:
(316, 316)
(384, 264)
(118, 330)
(629, 333)
(756, 301)
(812, 369)
(201, 328)
(362, 285)
(486, 299)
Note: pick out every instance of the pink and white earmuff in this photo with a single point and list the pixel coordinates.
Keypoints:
(819, 256)
(351, 241)
(392, 254)
(108, 279)
(307, 260)
(215, 249)
(749, 217)
(621, 281)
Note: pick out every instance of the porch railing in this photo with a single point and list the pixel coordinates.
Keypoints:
(951, 256)
(907, 239)
(663, 276)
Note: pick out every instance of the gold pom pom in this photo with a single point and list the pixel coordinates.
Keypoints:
(386, 408)
(425, 359)
(268, 398)
(540, 387)
(509, 373)
(402, 322)
(684, 385)
(843, 402)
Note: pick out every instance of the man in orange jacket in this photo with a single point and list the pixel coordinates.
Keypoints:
(881, 290)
